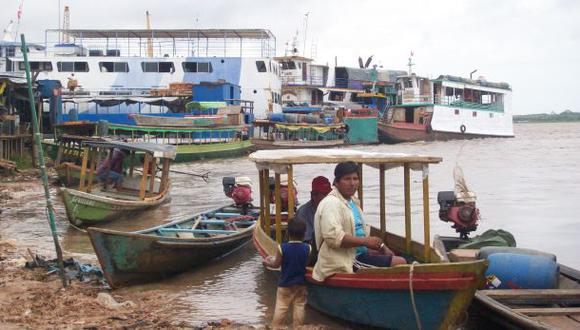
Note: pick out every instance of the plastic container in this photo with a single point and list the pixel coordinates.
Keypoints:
(521, 271)
(485, 252)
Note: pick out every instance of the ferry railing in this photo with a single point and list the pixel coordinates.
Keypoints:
(459, 103)
(297, 80)
(413, 99)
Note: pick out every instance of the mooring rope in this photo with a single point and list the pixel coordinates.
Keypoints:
(412, 294)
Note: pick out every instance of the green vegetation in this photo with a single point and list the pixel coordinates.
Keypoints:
(23, 163)
(564, 116)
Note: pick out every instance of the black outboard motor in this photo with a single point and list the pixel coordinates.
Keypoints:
(464, 215)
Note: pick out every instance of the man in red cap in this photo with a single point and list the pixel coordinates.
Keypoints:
(320, 188)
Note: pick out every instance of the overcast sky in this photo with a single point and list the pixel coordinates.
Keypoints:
(533, 45)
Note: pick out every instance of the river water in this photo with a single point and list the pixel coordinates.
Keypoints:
(528, 185)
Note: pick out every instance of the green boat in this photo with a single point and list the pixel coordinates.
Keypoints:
(193, 143)
(87, 205)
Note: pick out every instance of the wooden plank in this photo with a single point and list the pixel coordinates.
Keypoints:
(426, 224)
(278, 218)
(153, 171)
(291, 202)
(559, 322)
(535, 295)
(164, 174)
(131, 163)
(549, 311)
(267, 221)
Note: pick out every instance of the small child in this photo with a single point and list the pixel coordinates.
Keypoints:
(293, 257)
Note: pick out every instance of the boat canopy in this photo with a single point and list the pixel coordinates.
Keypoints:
(484, 83)
(167, 33)
(157, 150)
(279, 160)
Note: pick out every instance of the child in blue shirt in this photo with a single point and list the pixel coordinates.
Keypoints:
(293, 258)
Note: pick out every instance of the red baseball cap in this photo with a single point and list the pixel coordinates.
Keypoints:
(321, 184)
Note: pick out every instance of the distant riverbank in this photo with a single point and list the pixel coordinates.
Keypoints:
(565, 116)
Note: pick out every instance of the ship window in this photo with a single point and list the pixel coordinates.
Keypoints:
(204, 67)
(288, 65)
(36, 66)
(261, 65)
(474, 113)
(114, 66)
(408, 83)
(72, 66)
(158, 67)
(197, 67)
(456, 111)
(491, 115)
(10, 51)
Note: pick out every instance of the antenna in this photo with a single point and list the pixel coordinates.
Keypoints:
(66, 25)
(471, 74)
(305, 32)
(410, 64)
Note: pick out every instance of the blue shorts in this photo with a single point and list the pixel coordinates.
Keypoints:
(113, 176)
(375, 260)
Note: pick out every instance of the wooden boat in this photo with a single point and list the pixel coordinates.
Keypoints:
(186, 121)
(86, 205)
(171, 248)
(433, 294)
(525, 308)
(192, 144)
(282, 135)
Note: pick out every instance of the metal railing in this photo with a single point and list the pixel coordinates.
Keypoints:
(297, 80)
(459, 103)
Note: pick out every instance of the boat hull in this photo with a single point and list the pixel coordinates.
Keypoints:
(128, 258)
(393, 134)
(194, 152)
(86, 209)
(381, 297)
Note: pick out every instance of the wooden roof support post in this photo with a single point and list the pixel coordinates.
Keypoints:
(93, 154)
(84, 168)
(152, 175)
(426, 224)
(360, 184)
(267, 221)
(262, 202)
(407, 184)
(291, 195)
(164, 175)
(278, 218)
(383, 211)
(143, 185)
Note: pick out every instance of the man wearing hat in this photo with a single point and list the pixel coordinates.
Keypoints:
(320, 188)
(342, 238)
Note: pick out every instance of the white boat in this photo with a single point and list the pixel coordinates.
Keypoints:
(125, 64)
(447, 108)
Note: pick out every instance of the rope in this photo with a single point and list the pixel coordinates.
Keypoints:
(411, 293)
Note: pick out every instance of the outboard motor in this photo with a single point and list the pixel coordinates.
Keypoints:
(464, 216)
(240, 190)
(459, 206)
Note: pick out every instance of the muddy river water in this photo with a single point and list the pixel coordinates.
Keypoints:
(528, 185)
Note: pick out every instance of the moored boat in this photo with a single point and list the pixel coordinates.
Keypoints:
(522, 308)
(447, 108)
(430, 293)
(158, 252)
(89, 205)
(269, 134)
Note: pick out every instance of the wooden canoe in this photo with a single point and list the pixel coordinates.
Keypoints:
(262, 144)
(185, 121)
(381, 297)
(158, 252)
(526, 308)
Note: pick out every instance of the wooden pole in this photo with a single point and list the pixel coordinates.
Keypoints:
(152, 176)
(382, 196)
(291, 196)
(278, 217)
(426, 224)
(93, 154)
(143, 185)
(164, 174)
(262, 202)
(84, 169)
(267, 222)
(131, 163)
(38, 144)
(360, 184)
(407, 183)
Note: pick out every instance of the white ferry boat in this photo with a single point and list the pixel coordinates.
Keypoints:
(447, 108)
(116, 70)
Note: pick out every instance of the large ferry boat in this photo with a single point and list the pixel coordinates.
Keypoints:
(119, 70)
(447, 108)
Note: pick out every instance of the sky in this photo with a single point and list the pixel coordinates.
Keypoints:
(534, 45)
